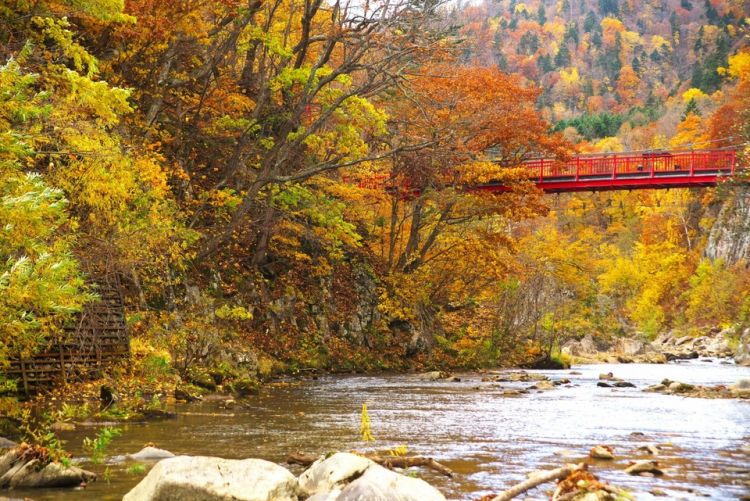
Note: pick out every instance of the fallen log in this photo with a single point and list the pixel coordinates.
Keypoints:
(387, 461)
(536, 479)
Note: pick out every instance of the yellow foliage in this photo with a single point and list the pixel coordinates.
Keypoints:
(692, 93)
(739, 66)
(691, 133)
(570, 76)
(609, 144)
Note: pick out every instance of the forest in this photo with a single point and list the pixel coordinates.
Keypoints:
(280, 185)
(230, 167)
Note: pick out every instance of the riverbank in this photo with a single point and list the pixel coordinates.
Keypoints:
(489, 436)
(715, 344)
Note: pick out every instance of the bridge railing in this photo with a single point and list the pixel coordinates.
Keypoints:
(650, 164)
(646, 164)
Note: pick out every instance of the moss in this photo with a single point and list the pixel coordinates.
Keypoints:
(244, 387)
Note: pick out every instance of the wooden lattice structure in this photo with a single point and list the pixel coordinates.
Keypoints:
(96, 338)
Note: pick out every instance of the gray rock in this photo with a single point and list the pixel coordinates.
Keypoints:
(632, 347)
(602, 452)
(683, 340)
(742, 355)
(150, 454)
(662, 339)
(32, 474)
(430, 376)
(325, 496)
(644, 466)
(677, 387)
(729, 238)
(335, 472)
(7, 444)
(62, 426)
(624, 384)
(196, 478)
(741, 389)
(587, 345)
(380, 484)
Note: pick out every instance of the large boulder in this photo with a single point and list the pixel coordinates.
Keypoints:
(632, 347)
(742, 355)
(16, 471)
(380, 484)
(335, 472)
(149, 453)
(587, 345)
(196, 478)
(348, 477)
(7, 444)
(740, 389)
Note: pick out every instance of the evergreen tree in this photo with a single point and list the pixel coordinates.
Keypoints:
(541, 15)
(544, 63)
(699, 44)
(686, 4)
(596, 39)
(588, 87)
(571, 33)
(711, 13)
(607, 7)
(529, 44)
(562, 59)
(636, 64)
(589, 22)
(674, 25)
(691, 108)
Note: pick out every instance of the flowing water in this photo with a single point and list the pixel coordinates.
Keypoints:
(490, 440)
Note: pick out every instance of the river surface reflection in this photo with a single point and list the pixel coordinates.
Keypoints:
(490, 440)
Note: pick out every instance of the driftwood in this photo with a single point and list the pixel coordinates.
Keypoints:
(387, 461)
(537, 478)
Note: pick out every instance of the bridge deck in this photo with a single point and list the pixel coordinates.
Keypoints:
(623, 171)
(614, 171)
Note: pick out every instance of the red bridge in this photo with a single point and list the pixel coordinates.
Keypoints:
(617, 171)
(629, 171)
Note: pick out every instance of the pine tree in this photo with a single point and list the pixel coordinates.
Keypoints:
(589, 23)
(691, 108)
(562, 59)
(607, 7)
(541, 15)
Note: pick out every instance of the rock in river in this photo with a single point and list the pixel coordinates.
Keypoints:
(348, 477)
(381, 484)
(602, 452)
(327, 474)
(18, 472)
(149, 453)
(646, 466)
(741, 389)
(742, 355)
(195, 478)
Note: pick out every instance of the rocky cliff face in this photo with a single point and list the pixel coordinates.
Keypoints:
(729, 238)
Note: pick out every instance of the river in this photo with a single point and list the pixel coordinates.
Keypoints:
(490, 440)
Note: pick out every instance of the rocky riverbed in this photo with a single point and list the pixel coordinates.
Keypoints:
(714, 344)
(491, 429)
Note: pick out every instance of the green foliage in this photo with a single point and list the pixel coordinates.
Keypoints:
(97, 447)
(41, 285)
(136, 469)
(597, 126)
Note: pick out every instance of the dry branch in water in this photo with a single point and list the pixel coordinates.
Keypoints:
(387, 461)
(536, 479)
